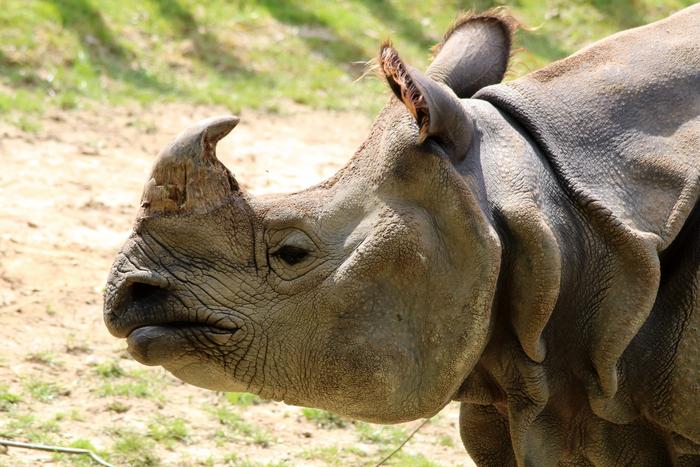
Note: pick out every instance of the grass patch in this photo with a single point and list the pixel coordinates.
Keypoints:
(142, 389)
(30, 125)
(29, 428)
(134, 449)
(386, 435)
(258, 53)
(168, 431)
(242, 399)
(118, 407)
(8, 399)
(404, 459)
(44, 391)
(75, 347)
(17, 425)
(76, 415)
(323, 418)
(109, 369)
(446, 441)
(119, 383)
(80, 460)
(334, 455)
(249, 431)
(44, 358)
(234, 460)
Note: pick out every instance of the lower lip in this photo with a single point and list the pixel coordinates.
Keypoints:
(157, 345)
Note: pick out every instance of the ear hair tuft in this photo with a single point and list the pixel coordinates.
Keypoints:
(404, 87)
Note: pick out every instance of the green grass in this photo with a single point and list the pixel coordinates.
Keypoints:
(76, 415)
(386, 435)
(262, 54)
(118, 407)
(8, 399)
(235, 461)
(43, 391)
(44, 358)
(323, 418)
(168, 431)
(142, 389)
(334, 455)
(242, 399)
(134, 449)
(446, 441)
(81, 460)
(404, 459)
(77, 347)
(117, 382)
(236, 424)
(28, 427)
(109, 369)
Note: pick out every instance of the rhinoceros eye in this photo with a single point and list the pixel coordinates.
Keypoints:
(291, 254)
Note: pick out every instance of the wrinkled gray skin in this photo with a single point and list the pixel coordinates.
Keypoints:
(532, 251)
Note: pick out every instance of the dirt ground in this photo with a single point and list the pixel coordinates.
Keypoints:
(68, 197)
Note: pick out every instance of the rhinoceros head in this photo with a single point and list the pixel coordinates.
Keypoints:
(369, 295)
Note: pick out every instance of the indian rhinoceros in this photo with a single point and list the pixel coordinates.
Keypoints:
(530, 248)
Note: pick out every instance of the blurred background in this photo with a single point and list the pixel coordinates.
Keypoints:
(257, 54)
(90, 90)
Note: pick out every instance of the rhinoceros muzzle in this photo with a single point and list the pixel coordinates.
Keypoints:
(144, 310)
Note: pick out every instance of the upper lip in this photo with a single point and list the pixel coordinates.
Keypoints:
(130, 305)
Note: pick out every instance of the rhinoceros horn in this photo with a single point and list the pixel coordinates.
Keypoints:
(187, 177)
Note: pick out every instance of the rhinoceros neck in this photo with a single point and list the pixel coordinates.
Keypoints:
(590, 167)
(564, 279)
(581, 279)
(528, 210)
(616, 128)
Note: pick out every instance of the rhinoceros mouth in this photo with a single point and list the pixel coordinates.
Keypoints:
(145, 301)
(162, 343)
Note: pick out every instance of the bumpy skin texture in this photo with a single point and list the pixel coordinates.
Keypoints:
(532, 250)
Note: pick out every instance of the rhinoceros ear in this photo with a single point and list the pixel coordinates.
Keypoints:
(435, 107)
(474, 52)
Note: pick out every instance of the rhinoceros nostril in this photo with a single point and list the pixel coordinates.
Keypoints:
(127, 305)
(136, 290)
(139, 292)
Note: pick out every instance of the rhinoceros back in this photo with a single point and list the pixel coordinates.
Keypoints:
(620, 122)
